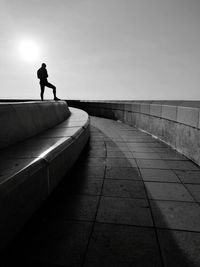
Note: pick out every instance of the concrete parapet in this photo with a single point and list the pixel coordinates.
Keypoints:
(188, 116)
(32, 168)
(169, 112)
(156, 110)
(175, 122)
(145, 108)
(23, 120)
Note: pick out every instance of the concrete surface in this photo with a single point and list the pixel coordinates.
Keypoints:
(130, 200)
(24, 120)
(175, 122)
(31, 169)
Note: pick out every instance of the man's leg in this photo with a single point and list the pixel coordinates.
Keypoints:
(54, 89)
(42, 91)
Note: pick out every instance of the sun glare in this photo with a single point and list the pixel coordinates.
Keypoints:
(29, 50)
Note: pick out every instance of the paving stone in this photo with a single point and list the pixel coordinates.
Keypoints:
(119, 149)
(181, 165)
(86, 186)
(95, 143)
(115, 144)
(136, 140)
(176, 215)
(118, 246)
(116, 172)
(152, 163)
(121, 143)
(149, 145)
(141, 149)
(90, 171)
(57, 242)
(159, 175)
(124, 188)
(96, 134)
(179, 248)
(190, 177)
(97, 153)
(96, 138)
(73, 207)
(165, 150)
(119, 154)
(147, 155)
(121, 162)
(167, 191)
(138, 145)
(94, 161)
(124, 211)
(156, 144)
(142, 139)
(172, 156)
(194, 189)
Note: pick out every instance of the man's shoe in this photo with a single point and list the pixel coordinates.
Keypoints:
(56, 99)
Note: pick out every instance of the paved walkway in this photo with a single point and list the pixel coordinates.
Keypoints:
(129, 201)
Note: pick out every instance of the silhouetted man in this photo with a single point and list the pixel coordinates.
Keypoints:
(43, 75)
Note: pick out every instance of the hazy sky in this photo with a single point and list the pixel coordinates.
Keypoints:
(102, 49)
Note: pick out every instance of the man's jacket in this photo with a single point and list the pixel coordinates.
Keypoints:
(42, 74)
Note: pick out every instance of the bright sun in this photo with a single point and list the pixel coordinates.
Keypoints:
(29, 50)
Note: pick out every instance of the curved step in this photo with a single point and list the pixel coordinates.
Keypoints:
(24, 120)
(31, 169)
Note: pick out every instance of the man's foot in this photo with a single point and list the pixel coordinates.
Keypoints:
(56, 99)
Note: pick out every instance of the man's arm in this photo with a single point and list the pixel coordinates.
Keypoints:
(38, 74)
(46, 74)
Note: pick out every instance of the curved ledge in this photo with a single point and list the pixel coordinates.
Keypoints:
(31, 169)
(23, 120)
(175, 122)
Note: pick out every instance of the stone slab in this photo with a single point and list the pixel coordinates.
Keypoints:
(181, 165)
(124, 211)
(179, 248)
(116, 245)
(143, 155)
(176, 215)
(121, 162)
(194, 190)
(54, 243)
(96, 172)
(155, 175)
(152, 164)
(188, 177)
(119, 154)
(72, 207)
(123, 188)
(167, 191)
(116, 172)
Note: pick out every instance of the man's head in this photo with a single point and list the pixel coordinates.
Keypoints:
(44, 65)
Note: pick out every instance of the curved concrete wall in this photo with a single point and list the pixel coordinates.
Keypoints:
(175, 122)
(19, 121)
(31, 169)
